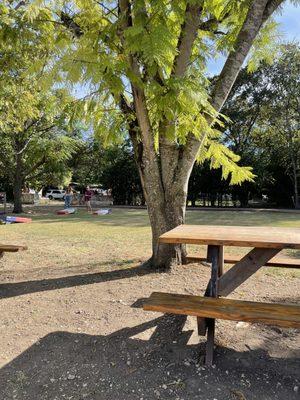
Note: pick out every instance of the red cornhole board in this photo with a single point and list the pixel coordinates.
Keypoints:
(22, 220)
(66, 211)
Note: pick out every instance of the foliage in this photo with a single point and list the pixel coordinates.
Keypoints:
(264, 124)
(120, 174)
(87, 163)
(92, 51)
(34, 137)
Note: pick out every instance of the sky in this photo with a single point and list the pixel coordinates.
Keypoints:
(289, 20)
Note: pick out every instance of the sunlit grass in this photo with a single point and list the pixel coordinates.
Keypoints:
(123, 237)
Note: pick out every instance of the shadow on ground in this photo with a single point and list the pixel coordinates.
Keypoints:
(26, 287)
(149, 361)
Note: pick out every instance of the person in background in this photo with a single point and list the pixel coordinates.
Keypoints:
(68, 197)
(87, 199)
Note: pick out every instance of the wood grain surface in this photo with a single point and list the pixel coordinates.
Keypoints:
(284, 315)
(245, 236)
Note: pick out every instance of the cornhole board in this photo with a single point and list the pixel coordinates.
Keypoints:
(102, 211)
(21, 220)
(66, 211)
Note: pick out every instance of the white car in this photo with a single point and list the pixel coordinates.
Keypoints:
(55, 194)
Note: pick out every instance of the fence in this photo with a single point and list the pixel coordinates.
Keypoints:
(215, 200)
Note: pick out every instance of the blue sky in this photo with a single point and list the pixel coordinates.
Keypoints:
(289, 20)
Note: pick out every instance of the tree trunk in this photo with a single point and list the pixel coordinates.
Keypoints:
(295, 184)
(166, 196)
(18, 185)
(164, 219)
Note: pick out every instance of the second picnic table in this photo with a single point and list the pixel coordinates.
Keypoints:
(266, 243)
(10, 248)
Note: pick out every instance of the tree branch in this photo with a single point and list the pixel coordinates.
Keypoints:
(138, 92)
(186, 39)
(35, 167)
(272, 6)
(71, 24)
(258, 12)
(168, 149)
(20, 4)
(36, 133)
(109, 10)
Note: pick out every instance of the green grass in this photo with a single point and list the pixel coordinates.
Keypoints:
(83, 241)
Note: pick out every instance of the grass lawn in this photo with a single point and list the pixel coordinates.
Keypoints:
(123, 237)
(72, 327)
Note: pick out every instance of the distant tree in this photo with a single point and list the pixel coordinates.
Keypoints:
(206, 181)
(87, 162)
(120, 174)
(264, 125)
(279, 120)
(33, 119)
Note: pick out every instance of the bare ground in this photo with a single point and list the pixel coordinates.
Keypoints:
(72, 326)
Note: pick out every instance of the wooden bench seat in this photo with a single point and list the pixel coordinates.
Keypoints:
(283, 315)
(11, 248)
(282, 262)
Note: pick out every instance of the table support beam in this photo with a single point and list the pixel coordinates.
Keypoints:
(245, 268)
(202, 322)
(215, 256)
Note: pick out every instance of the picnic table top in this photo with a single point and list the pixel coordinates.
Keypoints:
(11, 248)
(242, 236)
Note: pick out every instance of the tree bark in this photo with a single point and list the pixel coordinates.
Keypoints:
(18, 185)
(295, 184)
(166, 211)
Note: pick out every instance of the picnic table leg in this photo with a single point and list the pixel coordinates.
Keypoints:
(216, 258)
(202, 322)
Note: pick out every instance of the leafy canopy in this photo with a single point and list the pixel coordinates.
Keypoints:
(91, 51)
(33, 118)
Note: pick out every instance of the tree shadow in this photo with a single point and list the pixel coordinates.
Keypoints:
(42, 285)
(149, 361)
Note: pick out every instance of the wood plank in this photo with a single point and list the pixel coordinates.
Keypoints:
(282, 262)
(284, 315)
(245, 236)
(202, 322)
(242, 270)
(221, 261)
(11, 248)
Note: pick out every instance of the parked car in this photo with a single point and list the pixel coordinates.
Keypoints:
(55, 194)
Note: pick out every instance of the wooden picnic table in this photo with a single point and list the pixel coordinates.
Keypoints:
(266, 242)
(10, 248)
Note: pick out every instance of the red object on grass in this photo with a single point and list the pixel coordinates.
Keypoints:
(67, 211)
(18, 219)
